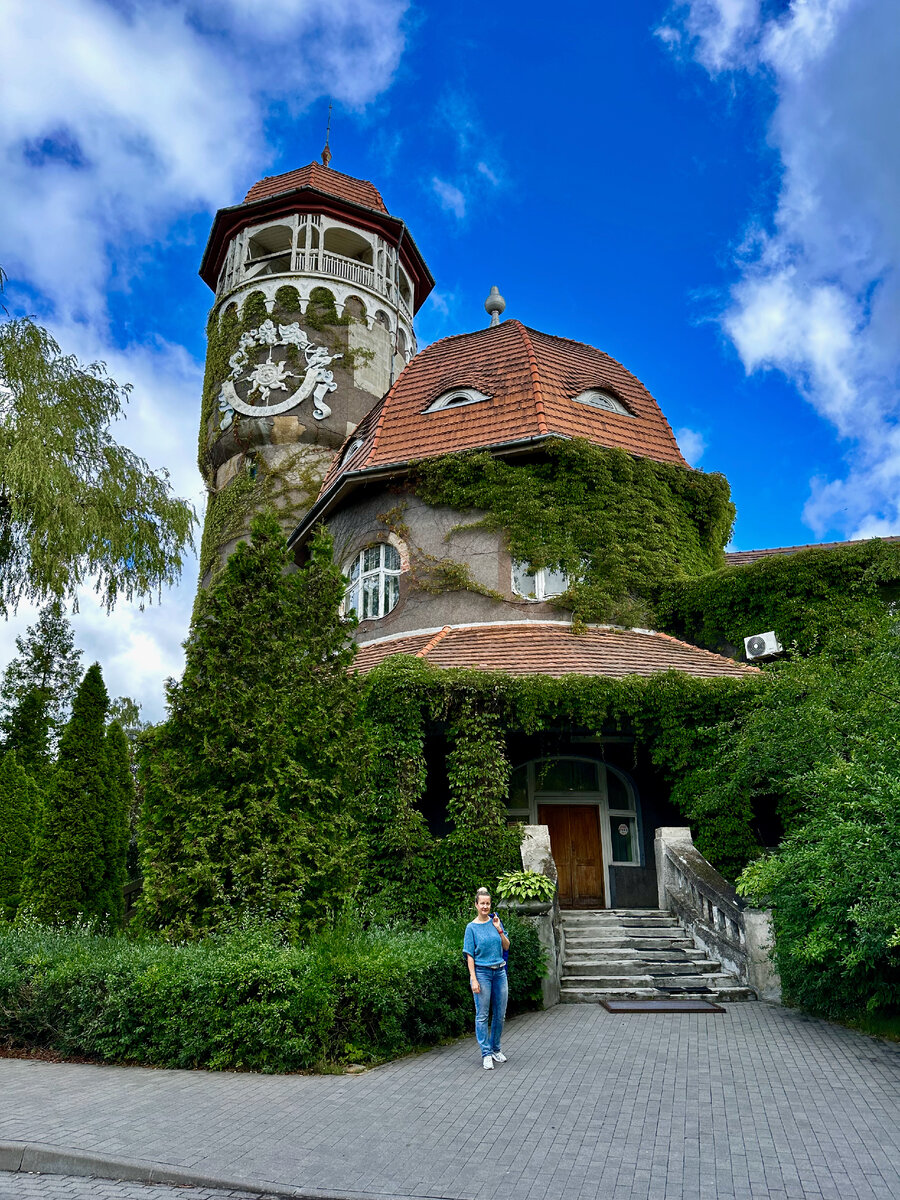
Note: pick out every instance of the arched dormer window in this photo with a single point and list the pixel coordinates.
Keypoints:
(599, 398)
(456, 398)
(351, 450)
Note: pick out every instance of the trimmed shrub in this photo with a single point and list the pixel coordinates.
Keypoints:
(247, 1000)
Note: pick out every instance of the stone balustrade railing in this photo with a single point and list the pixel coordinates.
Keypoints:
(718, 920)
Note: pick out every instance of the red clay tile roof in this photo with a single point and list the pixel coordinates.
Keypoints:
(530, 379)
(323, 179)
(738, 558)
(545, 648)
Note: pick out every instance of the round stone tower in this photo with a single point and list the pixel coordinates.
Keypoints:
(316, 287)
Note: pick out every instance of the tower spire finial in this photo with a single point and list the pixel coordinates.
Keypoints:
(494, 305)
(326, 153)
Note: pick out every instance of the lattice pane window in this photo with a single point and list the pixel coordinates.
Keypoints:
(373, 582)
(623, 835)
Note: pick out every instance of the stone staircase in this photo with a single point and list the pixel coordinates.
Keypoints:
(638, 954)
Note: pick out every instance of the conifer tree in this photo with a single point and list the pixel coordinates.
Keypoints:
(47, 665)
(69, 871)
(26, 731)
(115, 829)
(249, 784)
(19, 812)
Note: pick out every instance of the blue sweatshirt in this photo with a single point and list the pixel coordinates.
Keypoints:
(482, 941)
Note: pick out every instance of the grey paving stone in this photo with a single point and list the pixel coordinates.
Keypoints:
(756, 1104)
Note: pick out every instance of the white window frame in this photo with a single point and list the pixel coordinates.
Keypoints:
(540, 582)
(456, 398)
(382, 573)
(603, 400)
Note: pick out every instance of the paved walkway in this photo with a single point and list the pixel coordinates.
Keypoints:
(18, 1186)
(756, 1103)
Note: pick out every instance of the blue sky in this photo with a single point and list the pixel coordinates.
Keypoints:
(707, 191)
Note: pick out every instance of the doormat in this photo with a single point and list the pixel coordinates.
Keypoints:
(667, 1006)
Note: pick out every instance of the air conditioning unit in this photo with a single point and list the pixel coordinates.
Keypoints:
(762, 645)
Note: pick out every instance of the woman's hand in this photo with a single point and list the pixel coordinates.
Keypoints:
(476, 988)
(495, 921)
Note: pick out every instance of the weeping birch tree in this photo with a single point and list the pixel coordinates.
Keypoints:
(75, 506)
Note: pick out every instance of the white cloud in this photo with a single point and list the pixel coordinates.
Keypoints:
(116, 121)
(691, 443)
(718, 33)
(489, 173)
(818, 297)
(451, 198)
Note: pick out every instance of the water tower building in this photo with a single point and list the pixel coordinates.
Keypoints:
(316, 285)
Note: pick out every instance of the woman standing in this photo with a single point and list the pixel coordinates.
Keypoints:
(484, 946)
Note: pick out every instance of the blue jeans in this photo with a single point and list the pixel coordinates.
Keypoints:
(494, 987)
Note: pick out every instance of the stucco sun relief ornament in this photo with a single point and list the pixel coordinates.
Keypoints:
(267, 376)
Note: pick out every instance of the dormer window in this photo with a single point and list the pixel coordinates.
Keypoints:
(351, 450)
(538, 583)
(597, 398)
(456, 398)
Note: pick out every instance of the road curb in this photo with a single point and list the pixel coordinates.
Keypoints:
(42, 1159)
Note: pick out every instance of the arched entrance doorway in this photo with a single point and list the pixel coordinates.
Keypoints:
(592, 812)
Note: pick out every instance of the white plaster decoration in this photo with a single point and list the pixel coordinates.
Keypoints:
(304, 282)
(268, 376)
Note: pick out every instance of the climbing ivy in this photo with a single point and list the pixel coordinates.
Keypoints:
(223, 333)
(676, 718)
(258, 484)
(426, 571)
(618, 525)
(808, 598)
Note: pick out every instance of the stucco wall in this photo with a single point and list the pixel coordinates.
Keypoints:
(432, 536)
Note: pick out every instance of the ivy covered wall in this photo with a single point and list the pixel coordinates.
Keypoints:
(672, 717)
(808, 598)
(618, 525)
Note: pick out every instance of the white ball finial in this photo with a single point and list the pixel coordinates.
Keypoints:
(495, 304)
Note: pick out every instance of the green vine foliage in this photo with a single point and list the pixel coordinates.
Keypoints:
(675, 717)
(480, 846)
(810, 598)
(619, 525)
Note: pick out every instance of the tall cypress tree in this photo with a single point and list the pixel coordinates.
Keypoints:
(249, 785)
(68, 874)
(19, 813)
(27, 731)
(115, 830)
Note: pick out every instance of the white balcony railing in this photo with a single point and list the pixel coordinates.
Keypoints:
(330, 266)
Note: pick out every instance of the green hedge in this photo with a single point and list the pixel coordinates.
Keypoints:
(247, 1000)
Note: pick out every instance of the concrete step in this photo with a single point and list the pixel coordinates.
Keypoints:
(605, 931)
(681, 983)
(630, 954)
(592, 995)
(628, 943)
(638, 966)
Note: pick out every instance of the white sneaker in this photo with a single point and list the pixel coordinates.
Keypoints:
(487, 1062)
(498, 1056)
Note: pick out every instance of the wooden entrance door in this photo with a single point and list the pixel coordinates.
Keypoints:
(575, 842)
